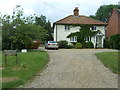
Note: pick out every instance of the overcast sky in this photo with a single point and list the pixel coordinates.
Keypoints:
(54, 9)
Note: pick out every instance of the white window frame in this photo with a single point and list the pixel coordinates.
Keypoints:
(94, 28)
(73, 39)
(87, 39)
(67, 27)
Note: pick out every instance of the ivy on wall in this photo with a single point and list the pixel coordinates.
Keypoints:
(82, 33)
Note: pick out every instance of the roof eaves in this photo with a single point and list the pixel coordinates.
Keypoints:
(80, 24)
(62, 19)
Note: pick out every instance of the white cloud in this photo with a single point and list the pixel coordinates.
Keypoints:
(28, 11)
(54, 9)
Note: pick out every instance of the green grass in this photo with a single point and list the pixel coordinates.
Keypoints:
(30, 64)
(110, 60)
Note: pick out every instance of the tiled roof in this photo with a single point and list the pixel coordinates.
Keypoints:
(79, 20)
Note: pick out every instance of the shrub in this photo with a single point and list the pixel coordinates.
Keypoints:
(62, 44)
(73, 43)
(78, 45)
(70, 46)
(106, 43)
(115, 41)
(89, 44)
(83, 44)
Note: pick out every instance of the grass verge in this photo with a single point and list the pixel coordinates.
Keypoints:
(110, 60)
(30, 64)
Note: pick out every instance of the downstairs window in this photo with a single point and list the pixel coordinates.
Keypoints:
(73, 39)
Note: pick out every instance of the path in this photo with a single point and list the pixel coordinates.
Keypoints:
(75, 68)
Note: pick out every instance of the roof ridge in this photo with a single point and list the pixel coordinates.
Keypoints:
(63, 18)
(81, 19)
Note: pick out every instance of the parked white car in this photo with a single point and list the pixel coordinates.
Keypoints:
(51, 44)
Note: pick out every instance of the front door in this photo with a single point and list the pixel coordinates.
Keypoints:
(99, 41)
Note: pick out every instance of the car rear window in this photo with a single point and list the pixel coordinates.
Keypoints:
(51, 42)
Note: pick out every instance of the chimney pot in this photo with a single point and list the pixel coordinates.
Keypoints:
(76, 11)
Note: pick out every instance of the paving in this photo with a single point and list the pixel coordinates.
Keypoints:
(74, 68)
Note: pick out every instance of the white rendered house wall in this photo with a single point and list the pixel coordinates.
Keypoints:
(61, 34)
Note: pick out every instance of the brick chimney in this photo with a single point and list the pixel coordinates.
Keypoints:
(76, 11)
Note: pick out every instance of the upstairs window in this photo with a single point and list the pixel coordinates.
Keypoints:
(93, 28)
(67, 27)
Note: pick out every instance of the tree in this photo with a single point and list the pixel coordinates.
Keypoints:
(93, 16)
(46, 25)
(104, 12)
(19, 31)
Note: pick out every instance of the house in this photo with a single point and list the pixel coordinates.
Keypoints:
(63, 27)
(113, 23)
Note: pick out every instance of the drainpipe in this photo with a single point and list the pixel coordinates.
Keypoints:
(102, 41)
(56, 32)
(95, 43)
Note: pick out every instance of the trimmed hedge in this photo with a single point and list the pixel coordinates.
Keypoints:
(115, 41)
(89, 44)
(78, 45)
(70, 46)
(106, 43)
(63, 44)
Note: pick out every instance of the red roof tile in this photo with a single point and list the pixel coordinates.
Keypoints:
(79, 20)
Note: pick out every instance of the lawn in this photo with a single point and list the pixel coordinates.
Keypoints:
(110, 60)
(30, 64)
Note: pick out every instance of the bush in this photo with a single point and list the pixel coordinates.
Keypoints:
(70, 46)
(83, 44)
(78, 45)
(106, 43)
(73, 43)
(63, 44)
(89, 44)
(115, 41)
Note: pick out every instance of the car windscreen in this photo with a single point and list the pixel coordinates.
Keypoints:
(51, 42)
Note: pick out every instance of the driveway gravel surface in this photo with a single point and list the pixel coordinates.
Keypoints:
(74, 68)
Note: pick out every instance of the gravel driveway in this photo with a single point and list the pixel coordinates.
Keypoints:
(75, 68)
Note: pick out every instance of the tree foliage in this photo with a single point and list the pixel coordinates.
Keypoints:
(41, 21)
(104, 12)
(18, 31)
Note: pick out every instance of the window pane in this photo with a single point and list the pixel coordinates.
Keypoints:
(71, 39)
(67, 27)
(93, 27)
(75, 38)
(90, 38)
